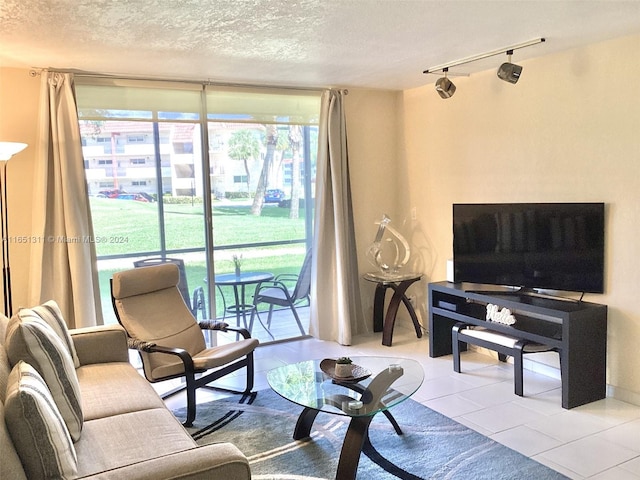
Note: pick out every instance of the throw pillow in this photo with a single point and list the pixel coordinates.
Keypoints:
(52, 315)
(30, 339)
(37, 428)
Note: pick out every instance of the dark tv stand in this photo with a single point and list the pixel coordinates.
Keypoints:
(578, 330)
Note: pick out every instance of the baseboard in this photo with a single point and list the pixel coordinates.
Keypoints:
(544, 363)
(552, 371)
(623, 395)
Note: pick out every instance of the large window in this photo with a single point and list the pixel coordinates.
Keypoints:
(147, 148)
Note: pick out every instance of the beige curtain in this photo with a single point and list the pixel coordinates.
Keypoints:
(63, 265)
(336, 309)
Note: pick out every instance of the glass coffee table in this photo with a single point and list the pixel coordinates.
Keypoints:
(377, 385)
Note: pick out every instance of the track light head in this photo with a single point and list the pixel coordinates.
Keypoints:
(509, 72)
(444, 86)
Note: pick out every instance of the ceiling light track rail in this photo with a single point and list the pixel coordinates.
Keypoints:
(492, 53)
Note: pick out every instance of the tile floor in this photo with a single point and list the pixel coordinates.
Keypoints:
(599, 441)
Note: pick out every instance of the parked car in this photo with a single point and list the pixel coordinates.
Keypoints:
(110, 193)
(147, 196)
(132, 196)
(273, 196)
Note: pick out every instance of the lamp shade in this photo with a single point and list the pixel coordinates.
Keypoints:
(445, 87)
(509, 72)
(9, 149)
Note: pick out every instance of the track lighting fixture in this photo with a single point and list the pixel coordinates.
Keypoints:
(444, 86)
(509, 72)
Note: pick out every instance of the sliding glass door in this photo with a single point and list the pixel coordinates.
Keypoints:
(169, 182)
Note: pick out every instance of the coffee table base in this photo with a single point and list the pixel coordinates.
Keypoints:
(357, 434)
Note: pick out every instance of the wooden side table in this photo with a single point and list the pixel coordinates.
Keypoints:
(399, 283)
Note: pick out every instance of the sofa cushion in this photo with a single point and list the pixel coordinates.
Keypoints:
(30, 339)
(114, 388)
(209, 358)
(10, 465)
(52, 315)
(127, 439)
(37, 429)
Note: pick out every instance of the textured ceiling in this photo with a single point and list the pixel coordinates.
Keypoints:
(366, 43)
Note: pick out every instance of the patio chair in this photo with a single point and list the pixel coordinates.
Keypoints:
(194, 301)
(278, 292)
(171, 344)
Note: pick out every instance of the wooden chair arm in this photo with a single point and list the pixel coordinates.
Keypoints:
(242, 331)
(140, 345)
(150, 347)
(213, 325)
(222, 327)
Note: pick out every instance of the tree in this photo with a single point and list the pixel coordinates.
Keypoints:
(243, 145)
(295, 141)
(263, 181)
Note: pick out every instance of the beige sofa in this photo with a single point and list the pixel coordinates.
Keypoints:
(127, 432)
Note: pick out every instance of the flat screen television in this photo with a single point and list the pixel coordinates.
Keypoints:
(550, 246)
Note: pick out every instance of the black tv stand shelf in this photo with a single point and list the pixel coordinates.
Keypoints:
(578, 330)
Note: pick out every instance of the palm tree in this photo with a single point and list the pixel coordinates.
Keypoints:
(263, 181)
(243, 145)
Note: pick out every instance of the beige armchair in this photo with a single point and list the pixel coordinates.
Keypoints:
(150, 307)
(196, 301)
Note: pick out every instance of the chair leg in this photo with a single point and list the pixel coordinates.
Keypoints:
(253, 314)
(191, 402)
(250, 373)
(224, 304)
(295, 314)
(256, 314)
(269, 316)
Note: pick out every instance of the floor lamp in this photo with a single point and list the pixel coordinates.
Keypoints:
(7, 150)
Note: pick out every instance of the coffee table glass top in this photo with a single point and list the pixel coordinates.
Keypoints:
(392, 381)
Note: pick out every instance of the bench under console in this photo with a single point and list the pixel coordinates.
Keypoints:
(576, 330)
(505, 345)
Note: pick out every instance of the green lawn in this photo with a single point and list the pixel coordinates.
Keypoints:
(127, 226)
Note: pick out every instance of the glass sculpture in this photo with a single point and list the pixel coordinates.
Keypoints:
(388, 253)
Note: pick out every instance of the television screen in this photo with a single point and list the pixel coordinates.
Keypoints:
(554, 246)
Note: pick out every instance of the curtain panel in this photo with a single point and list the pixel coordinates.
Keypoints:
(336, 309)
(63, 265)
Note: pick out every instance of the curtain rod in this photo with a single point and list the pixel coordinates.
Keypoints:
(35, 71)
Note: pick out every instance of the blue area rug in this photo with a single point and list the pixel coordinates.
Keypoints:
(432, 446)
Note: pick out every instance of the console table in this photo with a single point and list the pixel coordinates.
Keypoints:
(578, 330)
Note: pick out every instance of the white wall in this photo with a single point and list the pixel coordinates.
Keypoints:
(19, 97)
(569, 130)
(378, 170)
